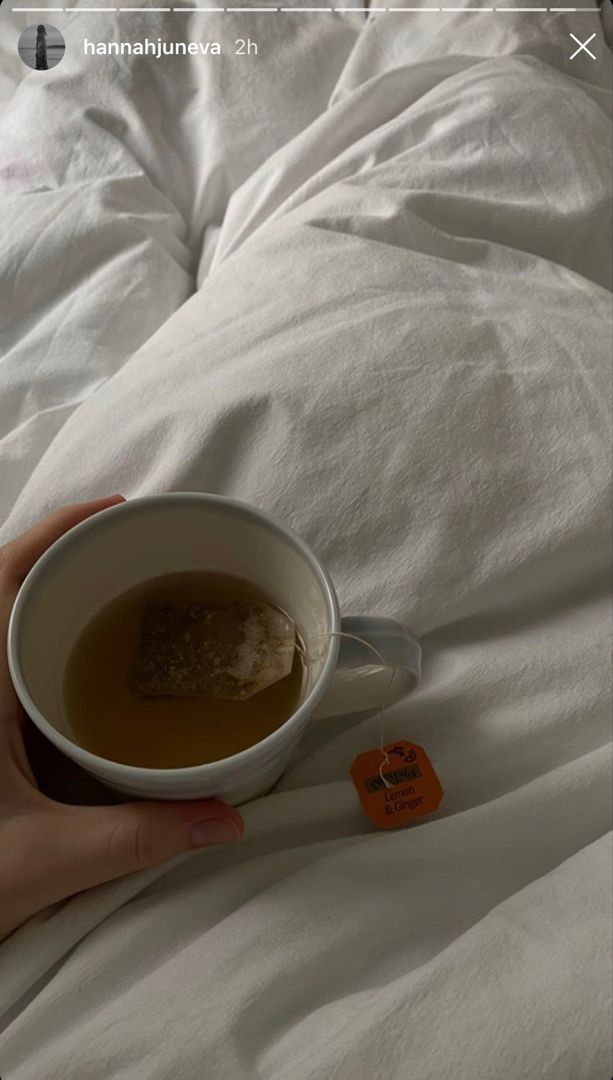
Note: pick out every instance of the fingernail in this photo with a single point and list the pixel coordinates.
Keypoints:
(203, 833)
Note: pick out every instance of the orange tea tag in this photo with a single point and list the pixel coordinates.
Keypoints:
(413, 789)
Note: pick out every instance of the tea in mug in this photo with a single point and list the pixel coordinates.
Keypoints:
(183, 670)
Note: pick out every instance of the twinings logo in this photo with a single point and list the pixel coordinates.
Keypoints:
(396, 776)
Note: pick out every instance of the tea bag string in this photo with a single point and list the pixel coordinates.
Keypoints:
(393, 668)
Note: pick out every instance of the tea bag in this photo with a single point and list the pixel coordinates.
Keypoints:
(226, 650)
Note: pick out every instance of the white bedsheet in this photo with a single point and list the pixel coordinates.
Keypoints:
(399, 342)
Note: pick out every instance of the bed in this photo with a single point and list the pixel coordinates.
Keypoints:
(365, 284)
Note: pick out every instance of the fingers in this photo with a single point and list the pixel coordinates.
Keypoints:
(19, 555)
(56, 851)
(92, 845)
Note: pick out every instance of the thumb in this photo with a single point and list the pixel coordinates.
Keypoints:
(96, 844)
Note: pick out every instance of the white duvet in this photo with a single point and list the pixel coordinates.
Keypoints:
(367, 287)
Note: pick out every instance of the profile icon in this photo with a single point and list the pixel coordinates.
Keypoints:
(41, 46)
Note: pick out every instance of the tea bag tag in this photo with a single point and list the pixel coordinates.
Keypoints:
(396, 783)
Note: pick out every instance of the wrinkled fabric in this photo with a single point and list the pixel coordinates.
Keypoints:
(399, 343)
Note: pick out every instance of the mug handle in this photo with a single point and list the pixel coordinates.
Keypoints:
(359, 683)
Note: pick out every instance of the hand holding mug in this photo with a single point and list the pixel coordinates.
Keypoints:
(53, 581)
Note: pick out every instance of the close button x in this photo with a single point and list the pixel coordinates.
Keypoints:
(583, 46)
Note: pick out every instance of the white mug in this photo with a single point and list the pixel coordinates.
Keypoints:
(146, 538)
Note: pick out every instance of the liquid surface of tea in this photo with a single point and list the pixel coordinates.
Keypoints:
(164, 732)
